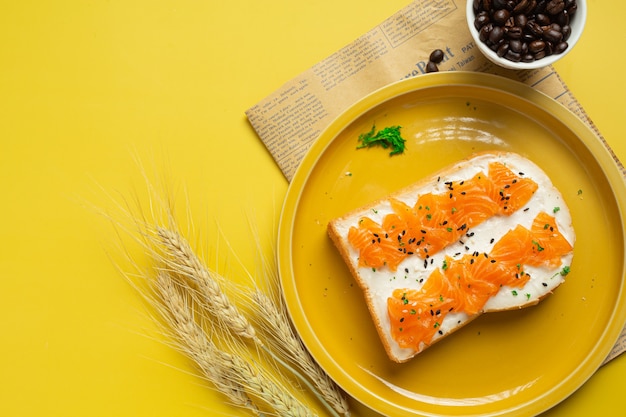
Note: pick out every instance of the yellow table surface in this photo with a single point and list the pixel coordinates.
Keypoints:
(87, 88)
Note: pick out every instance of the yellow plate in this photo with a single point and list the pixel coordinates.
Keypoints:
(513, 363)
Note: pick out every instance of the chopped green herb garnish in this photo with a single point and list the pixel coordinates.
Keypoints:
(387, 137)
(556, 209)
(445, 265)
(565, 270)
(514, 292)
(527, 296)
(539, 247)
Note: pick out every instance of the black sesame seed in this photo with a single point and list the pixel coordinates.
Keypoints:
(544, 284)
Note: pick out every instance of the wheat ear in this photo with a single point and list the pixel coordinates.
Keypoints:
(292, 348)
(233, 375)
(191, 339)
(179, 257)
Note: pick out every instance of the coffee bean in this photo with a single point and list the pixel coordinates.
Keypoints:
(542, 19)
(567, 31)
(536, 46)
(560, 47)
(571, 10)
(496, 35)
(502, 49)
(562, 18)
(481, 20)
(532, 5)
(534, 29)
(431, 67)
(514, 32)
(513, 56)
(553, 35)
(515, 45)
(521, 6)
(436, 56)
(483, 35)
(501, 16)
(521, 20)
(555, 7)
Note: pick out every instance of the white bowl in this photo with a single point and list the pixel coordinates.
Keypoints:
(577, 24)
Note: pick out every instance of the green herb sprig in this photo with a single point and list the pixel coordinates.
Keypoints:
(388, 137)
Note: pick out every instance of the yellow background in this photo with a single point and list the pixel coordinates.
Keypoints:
(87, 88)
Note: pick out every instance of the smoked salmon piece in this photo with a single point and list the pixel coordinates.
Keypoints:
(437, 220)
(466, 284)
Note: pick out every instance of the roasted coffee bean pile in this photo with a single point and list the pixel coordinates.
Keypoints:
(524, 30)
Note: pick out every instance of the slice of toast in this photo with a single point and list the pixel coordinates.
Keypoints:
(445, 235)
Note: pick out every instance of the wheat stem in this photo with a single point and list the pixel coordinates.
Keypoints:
(292, 348)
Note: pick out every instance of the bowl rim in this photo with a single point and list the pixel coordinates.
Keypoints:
(577, 31)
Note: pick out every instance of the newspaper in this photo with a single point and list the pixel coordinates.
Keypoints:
(289, 120)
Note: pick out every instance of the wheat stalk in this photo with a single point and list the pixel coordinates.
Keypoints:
(237, 378)
(191, 339)
(184, 285)
(205, 284)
